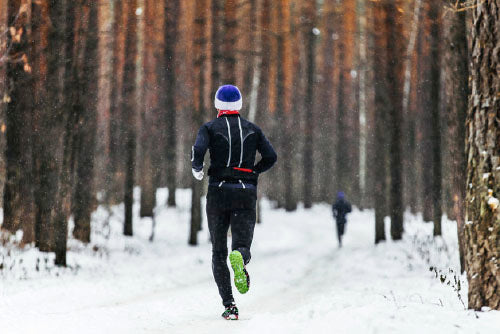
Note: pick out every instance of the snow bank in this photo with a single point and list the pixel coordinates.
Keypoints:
(301, 281)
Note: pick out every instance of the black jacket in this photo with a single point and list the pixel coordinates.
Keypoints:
(340, 209)
(233, 142)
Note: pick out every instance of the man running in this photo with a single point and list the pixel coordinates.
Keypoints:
(233, 142)
(340, 210)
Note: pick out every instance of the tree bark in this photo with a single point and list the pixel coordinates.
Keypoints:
(435, 91)
(394, 70)
(129, 106)
(457, 77)
(69, 119)
(283, 98)
(150, 91)
(380, 83)
(423, 106)
(326, 102)
(199, 110)
(309, 15)
(19, 211)
(230, 31)
(115, 163)
(87, 128)
(347, 116)
(44, 149)
(171, 31)
(363, 129)
(3, 91)
(482, 229)
(409, 110)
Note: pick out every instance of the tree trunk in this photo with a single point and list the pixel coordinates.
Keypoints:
(326, 102)
(19, 211)
(129, 106)
(199, 110)
(230, 31)
(309, 15)
(283, 98)
(409, 101)
(394, 72)
(346, 156)
(380, 83)
(435, 87)
(171, 31)
(425, 143)
(265, 21)
(69, 119)
(3, 91)
(482, 229)
(457, 77)
(115, 163)
(44, 149)
(150, 91)
(363, 130)
(86, 132)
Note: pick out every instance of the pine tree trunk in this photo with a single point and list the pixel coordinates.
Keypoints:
(435, 90)
(62, 208)
(230, 30)
(115, 163)
(341, 159)
(482, 229)
(409, 94)
(457, 76)
(265, 21)
(308, 159)
(45, 104)
(394, 70)
(19, 211)
(150, 91)
(363, 129)
(171, 31)
(380, 83)
(425, 155)
(129, 106)
(199, 110)
(3, 91)
(86, 132)
(283, 99)
(325, 104)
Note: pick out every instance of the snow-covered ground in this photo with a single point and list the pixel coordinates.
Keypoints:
(301, 281)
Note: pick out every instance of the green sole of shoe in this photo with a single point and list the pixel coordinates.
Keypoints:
(240, 279)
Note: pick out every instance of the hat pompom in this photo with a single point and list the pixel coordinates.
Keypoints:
(228, 97)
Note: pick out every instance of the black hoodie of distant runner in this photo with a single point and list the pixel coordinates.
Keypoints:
(233, 142)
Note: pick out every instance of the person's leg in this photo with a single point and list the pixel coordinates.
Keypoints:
(242, 228)
(218, 225)
(339, 232)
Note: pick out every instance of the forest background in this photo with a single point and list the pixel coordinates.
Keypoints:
(394, 102)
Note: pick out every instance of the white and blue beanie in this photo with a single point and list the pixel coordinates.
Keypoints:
(228, 97)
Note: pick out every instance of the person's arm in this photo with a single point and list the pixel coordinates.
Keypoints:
(267, 152)
(334, 210)
(198, 152)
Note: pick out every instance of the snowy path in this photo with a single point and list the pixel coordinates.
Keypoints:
(301, 283)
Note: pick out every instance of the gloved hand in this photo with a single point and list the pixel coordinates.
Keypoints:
(198, 174)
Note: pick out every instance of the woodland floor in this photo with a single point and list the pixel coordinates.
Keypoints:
(301, 281)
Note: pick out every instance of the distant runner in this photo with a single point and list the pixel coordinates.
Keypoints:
(340, 210)
(233, 142)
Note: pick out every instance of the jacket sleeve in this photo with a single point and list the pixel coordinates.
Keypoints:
(200, 148)
(334, 210)
(267, 152)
